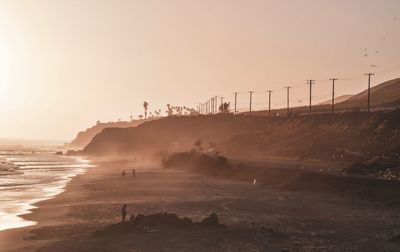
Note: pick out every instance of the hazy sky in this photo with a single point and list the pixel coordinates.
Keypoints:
(66, 63)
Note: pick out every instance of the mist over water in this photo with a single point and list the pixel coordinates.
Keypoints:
(29, 175)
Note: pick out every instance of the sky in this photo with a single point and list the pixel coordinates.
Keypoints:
(64, 64)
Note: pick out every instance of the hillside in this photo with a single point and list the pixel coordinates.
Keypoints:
(386, 94)
(84, 137)
(338, 99)
(383, 96)
(318, 136)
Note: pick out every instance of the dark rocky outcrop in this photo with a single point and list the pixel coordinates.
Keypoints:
(158, 222)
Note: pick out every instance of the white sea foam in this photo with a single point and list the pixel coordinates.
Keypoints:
(33, 175)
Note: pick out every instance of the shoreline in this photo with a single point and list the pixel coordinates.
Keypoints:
(51, 211)
(39, 213)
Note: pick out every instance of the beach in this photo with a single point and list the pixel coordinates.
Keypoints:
(30, 174)
(257, 218)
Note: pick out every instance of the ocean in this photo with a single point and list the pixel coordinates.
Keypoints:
(29, 175)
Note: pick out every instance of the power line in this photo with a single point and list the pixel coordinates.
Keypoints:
(369, 89)
(251, 97)
(269, 102)
(212, 106)
(216, 105)
(287, 100)
(333, 94)
(236, 93)
(310, 82)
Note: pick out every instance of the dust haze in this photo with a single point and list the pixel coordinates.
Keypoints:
(199, 126)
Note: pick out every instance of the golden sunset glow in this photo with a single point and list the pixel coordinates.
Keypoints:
(199, 125)
(112, 55)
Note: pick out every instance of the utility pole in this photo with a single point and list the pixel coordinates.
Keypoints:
(310, 82)
(369, 90)
(212, 105)
(269, 102)
(287, 99)
(236, 93)
(251, 98)
(333, 94)
(216, 105)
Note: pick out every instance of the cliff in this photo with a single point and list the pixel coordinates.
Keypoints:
(317, 136)
(84, 137)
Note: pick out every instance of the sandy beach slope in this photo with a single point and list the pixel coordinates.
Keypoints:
(258, 218)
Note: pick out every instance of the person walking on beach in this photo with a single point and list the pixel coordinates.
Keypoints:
(133, 172)
(123, 212)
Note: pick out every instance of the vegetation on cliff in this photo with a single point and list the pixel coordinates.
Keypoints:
(352, 134)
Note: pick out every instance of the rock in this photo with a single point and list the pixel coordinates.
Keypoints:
(395, 238)
(156, 223)
(269, 230)
(211, 220)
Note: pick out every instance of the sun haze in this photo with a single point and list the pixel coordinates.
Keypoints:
(66, 64)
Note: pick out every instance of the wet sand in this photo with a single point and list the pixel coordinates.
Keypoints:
(258, 218)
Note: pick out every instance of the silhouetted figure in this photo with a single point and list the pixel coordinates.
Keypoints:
(133, 172)
(123, 173)
(123, 212)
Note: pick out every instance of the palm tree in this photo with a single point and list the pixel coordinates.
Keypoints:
(224, 108)
(169, 111)
(145, 106)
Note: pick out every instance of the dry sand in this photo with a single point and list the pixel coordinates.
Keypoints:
(258, 218)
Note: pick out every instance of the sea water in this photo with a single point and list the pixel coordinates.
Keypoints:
(29, 175)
